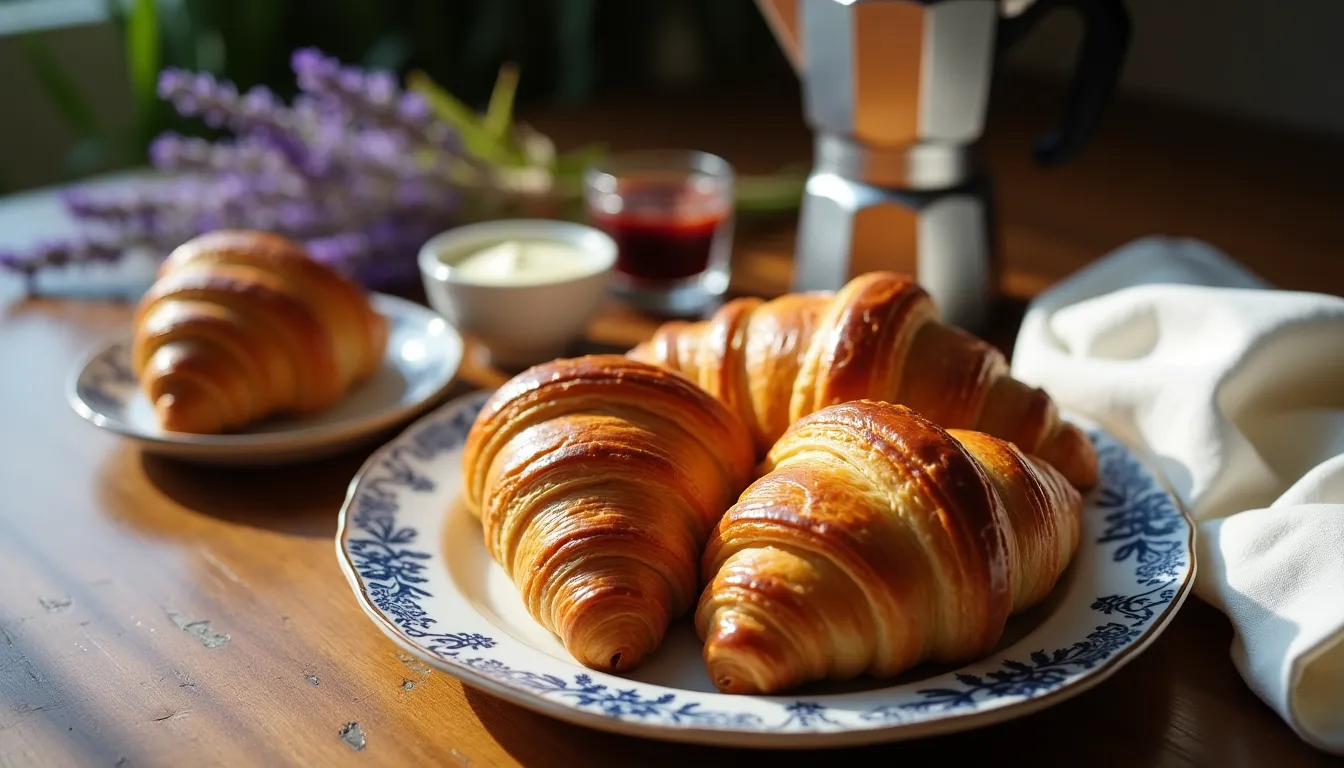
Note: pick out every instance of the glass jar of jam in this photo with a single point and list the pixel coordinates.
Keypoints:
(671, 215)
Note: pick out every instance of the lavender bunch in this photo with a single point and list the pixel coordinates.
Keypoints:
(358, 168)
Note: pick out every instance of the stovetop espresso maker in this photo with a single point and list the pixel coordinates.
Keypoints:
(896, 93)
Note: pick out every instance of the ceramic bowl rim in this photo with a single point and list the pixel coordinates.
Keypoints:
(593, 241)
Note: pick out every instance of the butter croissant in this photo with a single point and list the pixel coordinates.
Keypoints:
(241, 326)
(597, 481)
(879, 337)
(875, 541)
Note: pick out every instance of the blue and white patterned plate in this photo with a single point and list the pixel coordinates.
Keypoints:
(418, 565)
(423, 355)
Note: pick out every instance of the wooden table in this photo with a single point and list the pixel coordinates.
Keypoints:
(105, 553)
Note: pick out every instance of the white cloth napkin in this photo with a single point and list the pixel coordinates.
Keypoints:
(1236, 392)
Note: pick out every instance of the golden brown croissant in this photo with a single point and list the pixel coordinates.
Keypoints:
(597, 481)
(876, 541)
(878, 337)
(241, 325)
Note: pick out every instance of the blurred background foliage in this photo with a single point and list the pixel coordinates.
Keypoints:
(567, 51)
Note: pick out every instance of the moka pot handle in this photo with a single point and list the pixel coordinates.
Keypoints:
(1101, 56)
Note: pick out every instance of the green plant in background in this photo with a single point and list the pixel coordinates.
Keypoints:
(455, 52)
(519, 156)
(522, 162)
(98, 147)
(356, 167)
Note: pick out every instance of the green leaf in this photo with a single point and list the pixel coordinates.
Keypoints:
(568, 169)
(476, 140)
(577, 160)
(142, 52)
(444, 104)
(65, 95)
(498, 120)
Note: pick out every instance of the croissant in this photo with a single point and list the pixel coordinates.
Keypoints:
(597, 481)
(240, 326)
(878, 337)
(876, 541)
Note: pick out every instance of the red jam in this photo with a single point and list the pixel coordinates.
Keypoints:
(663, 232)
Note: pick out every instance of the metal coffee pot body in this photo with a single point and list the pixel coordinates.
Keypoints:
(896, 93)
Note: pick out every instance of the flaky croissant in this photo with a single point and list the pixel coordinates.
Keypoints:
(878, 337)
(241, 326)
(875, 541)
(597, 481)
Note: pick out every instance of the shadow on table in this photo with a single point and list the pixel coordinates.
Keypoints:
(300, 499)
(1005, 320)
(1123, 721)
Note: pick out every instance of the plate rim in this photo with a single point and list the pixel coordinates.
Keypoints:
(386, 304)
(950, 722)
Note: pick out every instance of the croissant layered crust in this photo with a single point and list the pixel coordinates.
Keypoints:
(875, 541)
(879, 337)
(597, 481)
(240, 326)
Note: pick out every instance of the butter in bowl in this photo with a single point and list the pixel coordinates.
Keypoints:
(524, 289)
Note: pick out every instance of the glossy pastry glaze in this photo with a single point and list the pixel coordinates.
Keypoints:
(597, 481)
(242, 325)
(879, 337)
(876, 541)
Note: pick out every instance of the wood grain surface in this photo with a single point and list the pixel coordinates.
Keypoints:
(154, 613)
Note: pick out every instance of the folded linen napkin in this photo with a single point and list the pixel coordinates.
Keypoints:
(1236, 392)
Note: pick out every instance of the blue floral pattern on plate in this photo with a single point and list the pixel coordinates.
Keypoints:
(1136, 537)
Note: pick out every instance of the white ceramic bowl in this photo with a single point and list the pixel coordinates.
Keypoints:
(519, 325)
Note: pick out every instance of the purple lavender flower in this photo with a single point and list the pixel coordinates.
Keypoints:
(368, 98)
(261, 106)
(172, 150)
(338, 249)
(381, 89)
(219, 104)
(299, 216)
(173, 83)
(369, 253)
(312, 69)
(355, 167)
(23, 263)
(124, 206)
(59, 253)
(414, 109)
